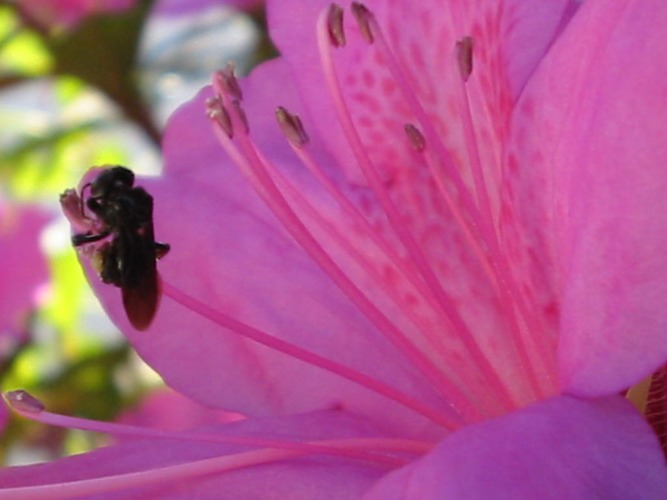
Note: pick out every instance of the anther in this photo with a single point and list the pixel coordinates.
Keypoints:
(216, 111)
(363, 17)
(292, 127)
(70, 203)
(228, 81)
(335, 25)
(464, 56)
(23, 401)
(415, 137)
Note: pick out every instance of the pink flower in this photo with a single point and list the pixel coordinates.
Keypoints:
(23, 271)
(68, 13)
(179, 7)
(435, 286)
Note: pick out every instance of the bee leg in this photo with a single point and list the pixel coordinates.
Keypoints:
(161, 249)
(82, 239)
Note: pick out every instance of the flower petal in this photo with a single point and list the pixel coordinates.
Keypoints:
(588, 173)
(305, 477)
(558, 448)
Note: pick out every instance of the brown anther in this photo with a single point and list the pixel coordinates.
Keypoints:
(363, 16)
(216, 111)
(240, 113)
(292, 127)
(335, 25)
(464, 56)
(415, 137)
(228, 81)
(23, 401)
(70, 202)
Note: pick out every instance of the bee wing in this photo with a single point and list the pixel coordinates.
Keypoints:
(140, 283)
(141, 301)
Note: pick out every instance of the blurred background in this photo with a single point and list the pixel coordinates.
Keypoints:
(82, 83)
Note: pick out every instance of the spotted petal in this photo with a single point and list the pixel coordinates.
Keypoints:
(590, 183)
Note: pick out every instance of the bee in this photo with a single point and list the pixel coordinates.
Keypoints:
(127, 258)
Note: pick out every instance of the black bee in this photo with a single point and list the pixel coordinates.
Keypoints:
(128, 259)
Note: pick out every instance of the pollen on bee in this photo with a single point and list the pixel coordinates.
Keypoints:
(97, 260)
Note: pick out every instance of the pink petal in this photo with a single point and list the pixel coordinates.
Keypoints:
(558, 448)
(588, 167)
(306, 477)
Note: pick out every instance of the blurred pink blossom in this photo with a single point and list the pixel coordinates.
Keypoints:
(23, 272)
(68, 13)
(178, 7)
(434, 283)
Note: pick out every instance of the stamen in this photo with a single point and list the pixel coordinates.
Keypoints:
(173, 474)
(464, 56)
(71, 206)
(250, 164)
(435, 341)
(311, 213)
(216, 111)
(23, 402)
(335, 25)
(259, 177)
(512, 300)
(366, 449)
(292, 127)
(481, 224)
(362, 15)
(422, 264)
(227, 79)
(415, 137)
(308, 357)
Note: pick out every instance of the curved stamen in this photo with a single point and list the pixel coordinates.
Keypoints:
(355, 215)
(160, 476)
(506, 284)
(366, 449)
(448, 422)
(255, 170)
(257, 173)
(309, 212)
(446, 304)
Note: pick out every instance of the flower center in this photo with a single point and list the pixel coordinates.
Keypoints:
(416, 245)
